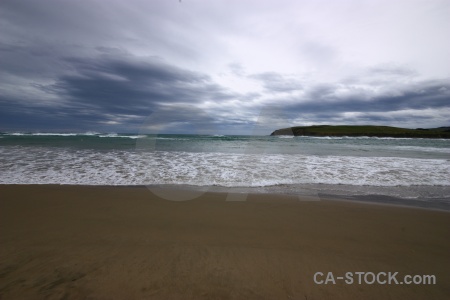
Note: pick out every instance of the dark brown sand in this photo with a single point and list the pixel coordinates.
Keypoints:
(66, 242)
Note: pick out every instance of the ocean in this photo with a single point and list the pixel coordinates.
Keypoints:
(402, 171)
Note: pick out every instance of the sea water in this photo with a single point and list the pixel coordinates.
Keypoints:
(416, 171)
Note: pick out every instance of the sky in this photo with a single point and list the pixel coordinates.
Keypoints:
(222, 67)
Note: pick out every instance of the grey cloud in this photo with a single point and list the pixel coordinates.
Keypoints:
(179, 118)
(391, 70)
(107, 87)
(318, 53)
(275, 82)
(75, 62)
(85, 64)
(82, 28)
(324, 100)
(383, 75)
(237, 69)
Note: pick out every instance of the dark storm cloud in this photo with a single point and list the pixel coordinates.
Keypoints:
(324, 103)
(104, 89)
(123, 90)
(97, 65)
(67, 65)
(422, 95)
(130, 85)
(16, 116)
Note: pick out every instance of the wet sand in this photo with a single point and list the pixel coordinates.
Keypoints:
(77, 242)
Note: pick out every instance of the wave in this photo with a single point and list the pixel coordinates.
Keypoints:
(115, 135)
(53, 134)
(171, 139)
(89, 134)
(285, 136)
(119, 167)
(46, 134)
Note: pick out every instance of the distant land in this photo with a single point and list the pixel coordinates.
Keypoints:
(365, 130)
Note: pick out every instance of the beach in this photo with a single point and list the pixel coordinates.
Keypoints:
(224, 150)
(100, 242)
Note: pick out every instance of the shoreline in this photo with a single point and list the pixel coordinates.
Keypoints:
(376, 199)
(101, 242)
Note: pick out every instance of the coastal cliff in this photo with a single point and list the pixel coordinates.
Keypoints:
(366, 130)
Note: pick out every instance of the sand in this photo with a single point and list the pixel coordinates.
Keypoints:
(68, 242)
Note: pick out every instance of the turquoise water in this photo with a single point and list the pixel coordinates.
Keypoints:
(404, 168)
(322, 146)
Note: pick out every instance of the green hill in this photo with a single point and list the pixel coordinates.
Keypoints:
(366, 130)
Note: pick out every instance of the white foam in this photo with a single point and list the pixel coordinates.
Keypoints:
(115, 135)
(90, 133)
(42, 134)
(169, 138)
(41, 165)
(321, 137)
(109, 135)
(53, 134)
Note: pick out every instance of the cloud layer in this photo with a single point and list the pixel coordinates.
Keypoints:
(222, 67)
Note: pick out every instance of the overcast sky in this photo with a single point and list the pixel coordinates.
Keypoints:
(222, 67)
